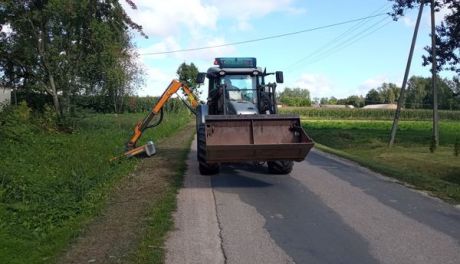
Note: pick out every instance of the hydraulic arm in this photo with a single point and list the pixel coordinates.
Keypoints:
(144, 124)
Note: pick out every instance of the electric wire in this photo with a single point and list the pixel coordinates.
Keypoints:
(352, 29)
(345, 45)
(348, 42)
(265, 38)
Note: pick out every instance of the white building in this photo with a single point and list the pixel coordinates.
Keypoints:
(5, 96)
(381, 106)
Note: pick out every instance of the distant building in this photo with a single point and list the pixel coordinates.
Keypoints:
(381, 106)
(332, 106)
(5, 96)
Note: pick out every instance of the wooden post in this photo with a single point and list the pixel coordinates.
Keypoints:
(406, 75)
(435, 136)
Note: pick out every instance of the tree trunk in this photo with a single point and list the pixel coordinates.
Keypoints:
(54, 94)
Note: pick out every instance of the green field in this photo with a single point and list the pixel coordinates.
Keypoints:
(410, 160)
(52, 183)
(368, 114)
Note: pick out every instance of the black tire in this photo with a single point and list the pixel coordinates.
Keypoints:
(205, 168)
(280, 166)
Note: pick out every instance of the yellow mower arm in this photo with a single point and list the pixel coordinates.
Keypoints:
(142, 125)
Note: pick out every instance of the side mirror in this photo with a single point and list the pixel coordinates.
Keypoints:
(200, 77)
(279, 77)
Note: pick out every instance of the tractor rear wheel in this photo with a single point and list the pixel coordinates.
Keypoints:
(205, 168)
(280, 166)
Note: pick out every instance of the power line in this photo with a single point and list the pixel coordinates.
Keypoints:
(340, 46)
(265, 38)
(350, 41)
(337, 38)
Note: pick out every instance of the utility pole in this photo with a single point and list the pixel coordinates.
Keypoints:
(435, 136)
(406, 75)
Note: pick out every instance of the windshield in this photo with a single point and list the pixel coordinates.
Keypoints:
(240, 88)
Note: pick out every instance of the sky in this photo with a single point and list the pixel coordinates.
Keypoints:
(342, 60)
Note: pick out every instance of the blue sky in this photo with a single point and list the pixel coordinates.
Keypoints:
(337, 61)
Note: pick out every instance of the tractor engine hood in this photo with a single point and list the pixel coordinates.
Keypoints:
(241, 108)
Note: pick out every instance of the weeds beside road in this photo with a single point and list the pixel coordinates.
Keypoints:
(52, 183)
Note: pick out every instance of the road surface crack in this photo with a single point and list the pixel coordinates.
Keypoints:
(219, 225)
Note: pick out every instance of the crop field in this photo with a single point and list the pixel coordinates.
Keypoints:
(410, 160)
(52, 183)
(368, 114)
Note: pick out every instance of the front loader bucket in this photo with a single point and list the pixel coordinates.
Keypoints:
(234, 138)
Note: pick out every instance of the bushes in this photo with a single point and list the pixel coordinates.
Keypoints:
(97, 103)
(50, 182)
(15, 123)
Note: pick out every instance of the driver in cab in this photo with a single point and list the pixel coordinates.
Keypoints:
(234, 92)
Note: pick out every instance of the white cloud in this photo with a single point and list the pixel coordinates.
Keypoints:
(208, 54)
(165, 18)
(408, 21)
(371, 83)
(243, 10)
(156, 81)
(318, 85)
(410, 18)
(179, 24)
(170, 43)
(439, 16)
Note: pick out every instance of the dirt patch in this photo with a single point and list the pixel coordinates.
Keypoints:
(117, 231)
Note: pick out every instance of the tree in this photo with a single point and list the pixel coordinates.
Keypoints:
(332, 100)
(295, 97)
(372, 97)
(187, 74)
(355, 100)
(417, 90)
(447, 33)
(420, 94)
(388, 93)
(66, 47)
(324, 100)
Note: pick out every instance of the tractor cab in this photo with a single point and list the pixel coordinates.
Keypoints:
(237, 87)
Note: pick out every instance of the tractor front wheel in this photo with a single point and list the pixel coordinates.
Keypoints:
(280, 166)
(204, 167)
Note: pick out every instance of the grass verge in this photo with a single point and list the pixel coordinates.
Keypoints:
(160, 220)
(52, 183)
(410, 160)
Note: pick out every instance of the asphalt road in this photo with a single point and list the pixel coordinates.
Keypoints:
(327, 210)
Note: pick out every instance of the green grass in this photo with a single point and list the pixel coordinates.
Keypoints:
(410, 160)
(52, 183)
(368, 114)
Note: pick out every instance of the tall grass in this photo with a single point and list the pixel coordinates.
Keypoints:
(52, 182)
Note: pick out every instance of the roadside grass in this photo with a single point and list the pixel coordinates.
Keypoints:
(151, 248)
(52, 183)
(410, 160)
